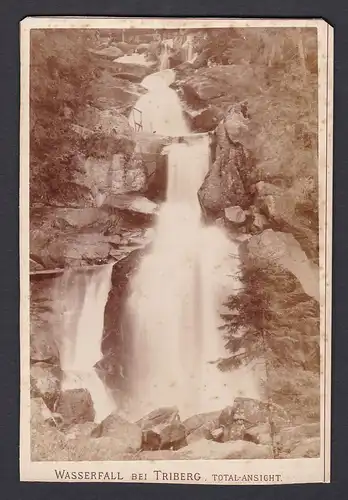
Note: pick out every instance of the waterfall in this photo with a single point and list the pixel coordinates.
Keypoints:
(180, 286)
(160, 108)
(188, 49)
(173, 300)
(177, 291)
(80, 300)
(164, 58)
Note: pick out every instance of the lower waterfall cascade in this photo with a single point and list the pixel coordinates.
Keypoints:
(175, 294)
(81, 299)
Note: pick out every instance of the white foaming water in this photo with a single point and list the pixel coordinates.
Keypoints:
(82, 297)
(175, 300)
(180, 285)
(189, 50)
(138, 59)
(164, 58)
(160, 108)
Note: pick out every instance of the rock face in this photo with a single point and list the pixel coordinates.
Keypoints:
(137, 71)
(117, 341)
(43, 347)
(75, 406)
(281, 207)
(283, 250)
(162, 430)
(210, 83)
(109, 52)
(118, 87)
(45, 380)
(204, 120)
(129, 435)
(133, 203)
(85, 236)
(72, 250)
(226, 184)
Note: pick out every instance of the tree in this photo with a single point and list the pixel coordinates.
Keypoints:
(272, 318)
(61, 72)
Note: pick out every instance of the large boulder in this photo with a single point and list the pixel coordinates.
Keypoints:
(207, 84)
(45, 382)
(162, 429)
(250, 420)
(282, 207)
(108, 125)
(75, 406)
(125, 47)
(73, 250)
(195, 422)
(79, 218)
(223, 186)
(129, 434)
(228, 181)
(75, 236)
(282, 249)
(132, 203)
(250, 410)
(110, 52)
(139, 71)
(118, 89)
(205, 120)
(236, 123)
(118, 174)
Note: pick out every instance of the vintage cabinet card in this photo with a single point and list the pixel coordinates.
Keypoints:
(176, 180)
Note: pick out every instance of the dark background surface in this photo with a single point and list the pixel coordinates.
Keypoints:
(11, 12)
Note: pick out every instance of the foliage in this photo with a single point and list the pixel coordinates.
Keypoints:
(61, 71)
(272, 318)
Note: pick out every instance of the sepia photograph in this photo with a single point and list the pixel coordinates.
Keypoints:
(175, 250)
